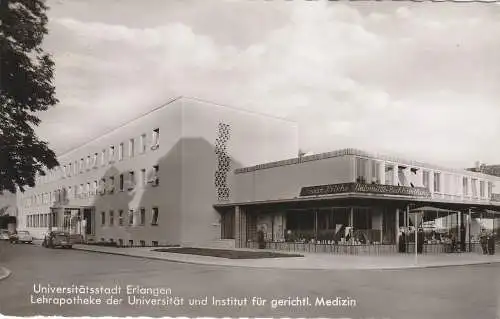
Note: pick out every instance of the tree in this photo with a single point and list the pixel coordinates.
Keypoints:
(26, 75)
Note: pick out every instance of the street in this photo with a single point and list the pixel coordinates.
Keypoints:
(449, 292)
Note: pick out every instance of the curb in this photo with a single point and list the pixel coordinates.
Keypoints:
(305, 268)
(4, 273)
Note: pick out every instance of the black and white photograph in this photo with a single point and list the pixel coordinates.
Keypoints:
(250, 158)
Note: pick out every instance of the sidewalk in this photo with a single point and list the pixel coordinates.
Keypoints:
(309, 261)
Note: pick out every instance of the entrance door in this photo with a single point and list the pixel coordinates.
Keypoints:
(87, 217)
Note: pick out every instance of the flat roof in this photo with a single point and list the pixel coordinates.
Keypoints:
(357, 152)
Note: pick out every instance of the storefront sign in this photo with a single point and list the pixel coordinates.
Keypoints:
(364, 188)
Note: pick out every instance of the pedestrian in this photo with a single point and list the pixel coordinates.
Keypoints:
(491, 244)
(420, 243)
(402, 242)
(483, 239)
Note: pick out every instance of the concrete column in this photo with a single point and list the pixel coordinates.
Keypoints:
(351, 217)
(396, 230)
(237, 229)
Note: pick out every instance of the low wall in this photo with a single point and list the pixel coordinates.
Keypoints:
(382, 249)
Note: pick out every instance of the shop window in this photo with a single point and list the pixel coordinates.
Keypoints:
(143, 243)
(131, 243)
(155, 243)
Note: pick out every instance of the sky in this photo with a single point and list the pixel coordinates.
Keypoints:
(412, 79)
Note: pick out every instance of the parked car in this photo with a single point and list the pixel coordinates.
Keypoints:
(57, 239)
(4, 234)
(22, 236)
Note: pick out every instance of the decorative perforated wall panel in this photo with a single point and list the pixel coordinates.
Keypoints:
(223, 162)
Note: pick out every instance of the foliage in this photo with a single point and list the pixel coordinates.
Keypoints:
(25, 88)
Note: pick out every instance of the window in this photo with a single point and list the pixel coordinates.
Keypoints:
(82, 165)
(437, 182)
(88, 162)
(111, 184)
(375, 172)
(156, 138)
(64, 171)
(425, 179)
(155, 243)
(103, 218)
(154, 219)
(94, 188)
(102, 187)
(156, 178)
(120, 218)
(95, 160)
(131, 180)
(143, 243)
(131, 217)
(103, 157)
(474, 187)
(131, 242)
(121, 182)
(111, 218)
(361, 170)
(143, 143)
(143, 216)
(143, 177)
(465, 186)
(481, 189)
(389, 175)
(120, 152)
(131, 148)
(120, 242)
(87, 190)
(69, 191)
(111, 153)
(75, 167)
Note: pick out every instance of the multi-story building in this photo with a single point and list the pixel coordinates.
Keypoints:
(191, 173)
(153, 181)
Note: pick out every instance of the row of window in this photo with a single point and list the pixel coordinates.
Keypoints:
(451, 182)
(133, 219)
(108, 156)
(106, 185)
(40, 220)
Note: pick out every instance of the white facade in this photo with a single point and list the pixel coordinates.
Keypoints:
(154, 180)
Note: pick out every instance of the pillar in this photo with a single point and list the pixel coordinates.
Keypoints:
(397, 227)
(351, 217)
(239, 227)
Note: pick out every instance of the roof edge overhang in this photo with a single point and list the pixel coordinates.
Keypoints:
(353, 196)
